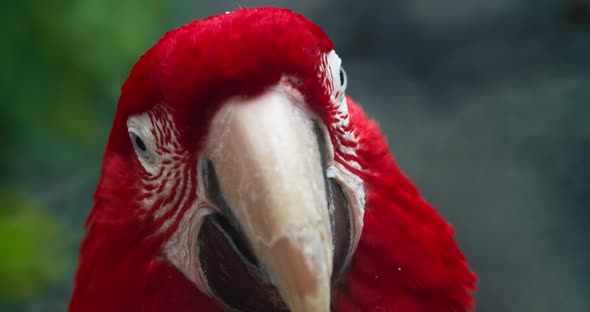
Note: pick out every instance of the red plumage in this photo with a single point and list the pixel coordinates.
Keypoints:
(406, 260)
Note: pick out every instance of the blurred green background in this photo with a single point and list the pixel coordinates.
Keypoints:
(63, 63)
(486, 105)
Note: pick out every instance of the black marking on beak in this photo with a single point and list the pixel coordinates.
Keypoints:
(233, 273)
(340, 217)
(229, 224)
(234, 280)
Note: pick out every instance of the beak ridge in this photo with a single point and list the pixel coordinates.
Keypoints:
(269, 168)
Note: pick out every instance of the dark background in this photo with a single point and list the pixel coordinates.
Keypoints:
(486, 105)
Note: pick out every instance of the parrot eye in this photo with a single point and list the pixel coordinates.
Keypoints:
(143, 141)
(232, 271)
(139, 145)
(343, 78)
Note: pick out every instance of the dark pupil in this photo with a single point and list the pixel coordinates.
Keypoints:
(139, 143)
(341, 78)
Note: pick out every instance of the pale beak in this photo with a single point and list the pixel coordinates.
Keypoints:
(265, 153)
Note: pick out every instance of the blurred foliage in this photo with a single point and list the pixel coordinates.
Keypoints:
(63, 62)
(64, 54)
(31, 247)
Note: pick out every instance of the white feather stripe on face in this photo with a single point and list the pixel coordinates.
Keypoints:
(166, 177)
(343, 142)
(165, 172)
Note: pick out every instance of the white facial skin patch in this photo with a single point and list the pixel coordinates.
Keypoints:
(265, 152)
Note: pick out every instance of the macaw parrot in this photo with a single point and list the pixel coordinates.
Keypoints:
(239, 176)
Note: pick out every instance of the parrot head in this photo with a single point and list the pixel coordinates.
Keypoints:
(239, 176)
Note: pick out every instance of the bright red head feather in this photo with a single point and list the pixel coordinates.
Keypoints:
(406, 259)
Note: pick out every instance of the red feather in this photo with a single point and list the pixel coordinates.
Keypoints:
(406, 260)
